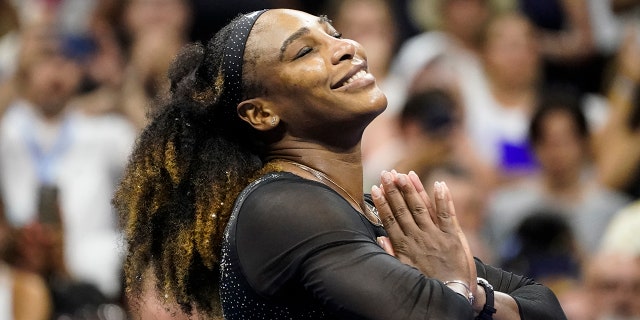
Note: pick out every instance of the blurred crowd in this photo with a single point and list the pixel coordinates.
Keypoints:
(528, 109)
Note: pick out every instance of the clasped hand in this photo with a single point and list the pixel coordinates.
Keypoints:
(423, 235)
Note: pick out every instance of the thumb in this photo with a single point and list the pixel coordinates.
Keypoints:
(386, 245)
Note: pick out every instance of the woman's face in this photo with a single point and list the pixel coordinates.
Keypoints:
(150, 16)
(312, 78)
(511, 53)
(560, 149)
(51, 78)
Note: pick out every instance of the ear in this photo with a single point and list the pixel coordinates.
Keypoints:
(258, 114)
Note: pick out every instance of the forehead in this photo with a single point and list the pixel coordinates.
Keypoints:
(274, 27)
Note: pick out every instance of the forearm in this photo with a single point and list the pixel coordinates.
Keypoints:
(406, 293)
(620, 6)
(616, 145)
(574, 42)
(570, 45)
(519, 297)
(617, 161)
(506, 307)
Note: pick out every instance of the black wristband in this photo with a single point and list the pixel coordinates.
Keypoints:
(488, 310)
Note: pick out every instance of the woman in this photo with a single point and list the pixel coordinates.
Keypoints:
(300, 241)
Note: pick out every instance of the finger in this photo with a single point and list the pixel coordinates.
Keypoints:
(418, 185)
(450, 208)
(385, 212)
(423, 194)
(415, 202)
(397, 204)
(463, 239)
(446, 221)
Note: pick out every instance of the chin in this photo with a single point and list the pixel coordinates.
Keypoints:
(379, 100)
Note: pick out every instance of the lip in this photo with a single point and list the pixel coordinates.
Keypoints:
(358, 66)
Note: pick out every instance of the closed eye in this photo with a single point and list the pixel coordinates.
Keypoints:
(303, 52)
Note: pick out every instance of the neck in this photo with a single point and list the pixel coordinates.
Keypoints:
(511, 95)
(358, 203)
(343, 169)
(50, 113)
(52, 118)
(564, 186)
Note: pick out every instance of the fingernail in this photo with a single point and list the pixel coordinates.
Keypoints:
(386, 177)
(380, 241)
(402, 180)
(413, 177)
(439, 192)
(395, 173)
(375, 192)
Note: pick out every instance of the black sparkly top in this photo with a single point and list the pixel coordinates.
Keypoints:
(295, 249)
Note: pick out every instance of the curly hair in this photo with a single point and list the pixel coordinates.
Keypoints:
(187, 167)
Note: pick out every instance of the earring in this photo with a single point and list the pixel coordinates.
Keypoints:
(274, 121)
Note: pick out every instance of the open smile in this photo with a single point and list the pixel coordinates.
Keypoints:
(356, 75)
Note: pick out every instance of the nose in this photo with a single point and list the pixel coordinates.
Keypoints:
(344, 49)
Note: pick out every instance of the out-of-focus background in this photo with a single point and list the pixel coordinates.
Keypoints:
(528, 109)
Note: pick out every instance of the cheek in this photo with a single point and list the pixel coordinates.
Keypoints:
(310, 74)
(41, 76)
(301, 80)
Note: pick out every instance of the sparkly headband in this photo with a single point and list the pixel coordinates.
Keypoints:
(233, 58)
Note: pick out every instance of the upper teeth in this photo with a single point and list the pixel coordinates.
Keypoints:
(356, 76)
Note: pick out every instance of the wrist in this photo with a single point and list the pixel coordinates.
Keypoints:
(480, 299)
(462, 288)
(488, 308)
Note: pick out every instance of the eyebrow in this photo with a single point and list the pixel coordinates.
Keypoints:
(300, 33)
